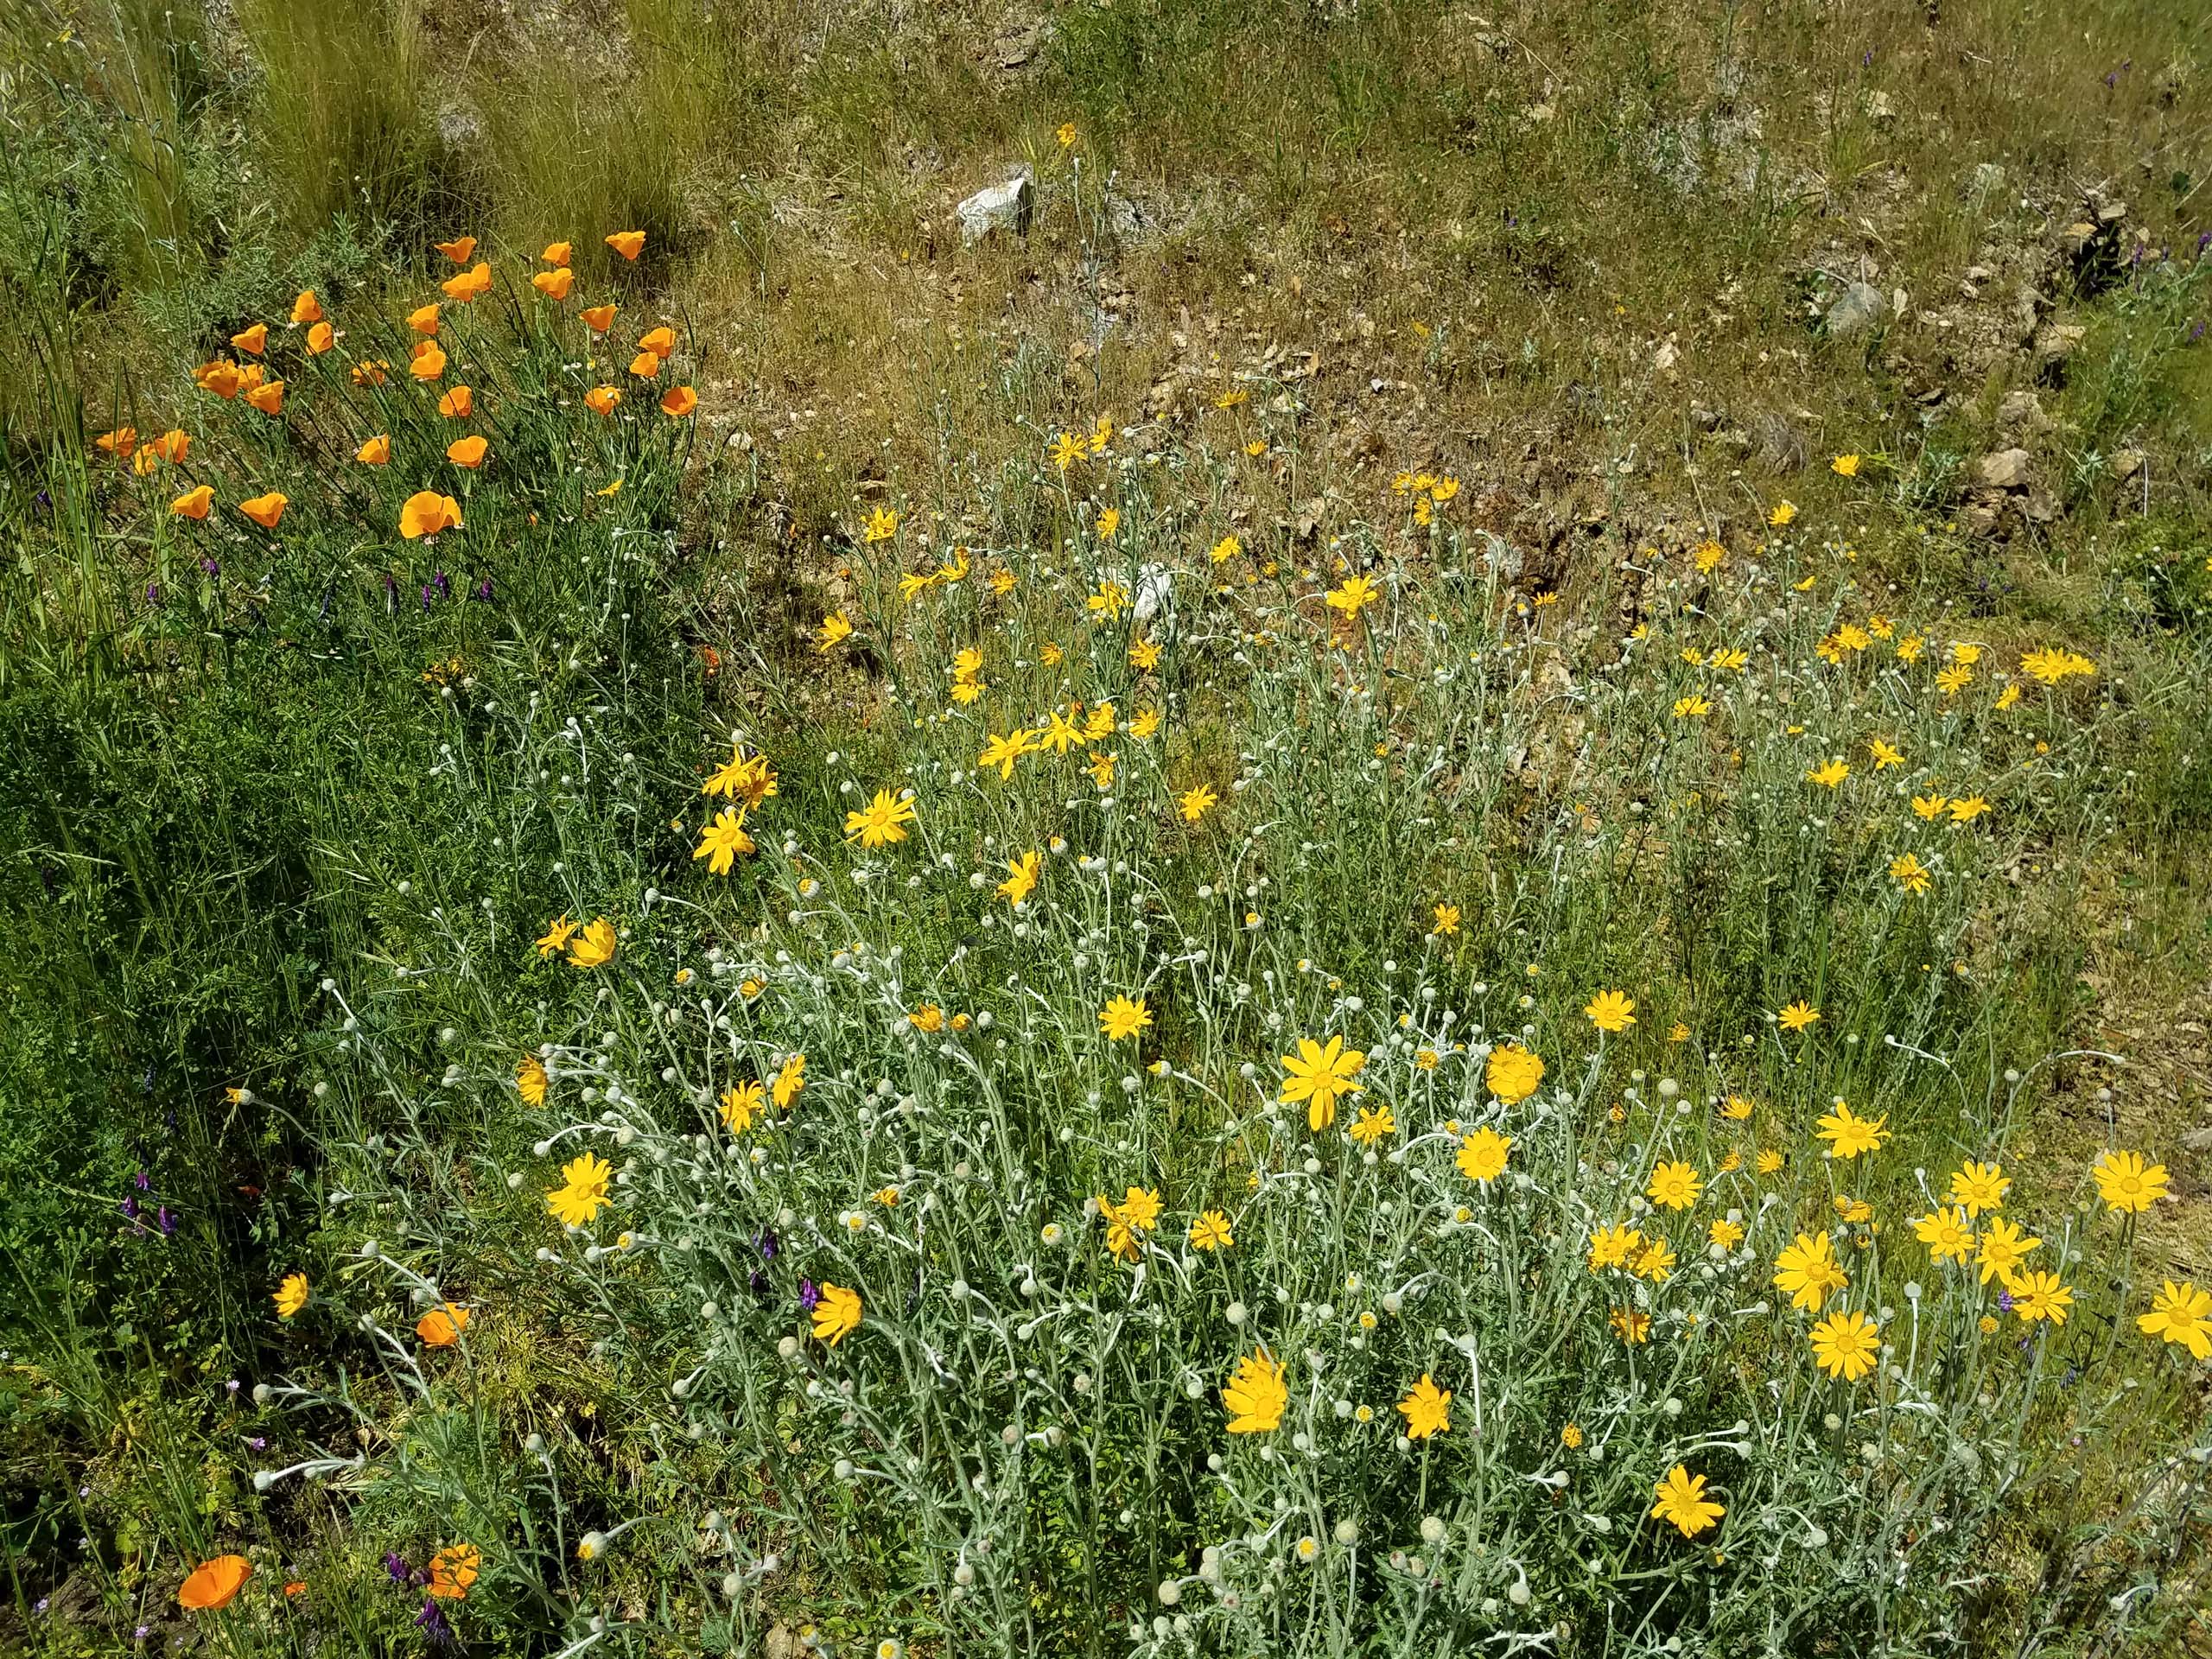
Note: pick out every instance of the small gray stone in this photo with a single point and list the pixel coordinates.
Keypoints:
(2004, 469)
(1858, 308)
(2056, 342)
(2021, 415)
(1002, 206)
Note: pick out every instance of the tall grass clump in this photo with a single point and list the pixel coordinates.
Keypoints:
(345, 122)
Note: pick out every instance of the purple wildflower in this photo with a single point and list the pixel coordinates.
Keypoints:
(432, 1619)
(165, 1220)
(484, 590)
(808, 1295)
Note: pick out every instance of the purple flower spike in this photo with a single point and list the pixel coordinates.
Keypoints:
(808, 1295)
(432, 1619)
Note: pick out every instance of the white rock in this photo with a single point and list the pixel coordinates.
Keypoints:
(1858, 308)
(1002, 206)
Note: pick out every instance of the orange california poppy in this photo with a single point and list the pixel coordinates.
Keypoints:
(370, 371)
(320, 339)
(145, 460)
(467, 452)
(452, 1569)
(253, 341)
(423, 319)
(660, 342)
(376, 452)
(219, 377)
(306, 308)
(598, 318)
(193, 504)
(458, 250)
(602, 400)
(556, 253)
(456, 404)
(426, 512)
(119, 442)
(628, 244)
(251, 375)
(428, 362)
(645, 366)
(264, 510)
(442, 1326)
(295, 1588)
(172, 446)
(678, 401)
(554, 284)
(469, 284)
(214, 1584)
(269, 398)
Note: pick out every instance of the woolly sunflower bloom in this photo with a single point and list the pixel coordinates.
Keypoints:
(1319, 1076)
(583, 1192)
(1683, 1503)
(1482, 1155)
(1211, 1231)
(1844, 1345)
(595, 946)
(1428, 1409)
(1513, 1073)
(837, 1314)
(742, 1103)
(882, 822)
(1674, 1186)
(1946, 1236)
(1256, 1395)
(1123, 1017)
(1612, 1011)
(1849, 1134)
(2127, 1184)
(2004, 1247)
(1807, 1269)
(2181, 1313)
